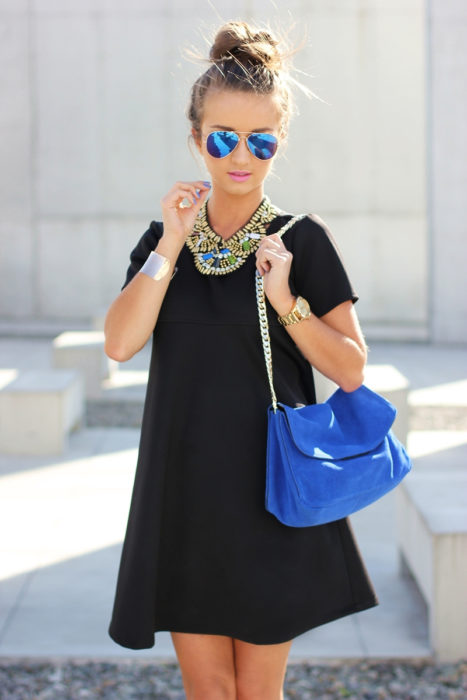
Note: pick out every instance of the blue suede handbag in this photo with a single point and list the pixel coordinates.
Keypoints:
(326, 461)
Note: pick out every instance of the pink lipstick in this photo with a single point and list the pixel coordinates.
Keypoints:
(239, 175)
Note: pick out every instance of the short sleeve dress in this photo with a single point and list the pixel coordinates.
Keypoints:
(201, 554)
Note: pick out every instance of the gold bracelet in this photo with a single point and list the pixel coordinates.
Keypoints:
(299, 311)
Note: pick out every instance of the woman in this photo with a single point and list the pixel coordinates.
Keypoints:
(202, 558)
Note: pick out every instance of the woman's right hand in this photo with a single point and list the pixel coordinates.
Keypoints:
(179, 221)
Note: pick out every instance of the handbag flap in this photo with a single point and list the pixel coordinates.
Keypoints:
(347, 424)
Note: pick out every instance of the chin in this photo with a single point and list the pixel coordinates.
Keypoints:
(243, 187)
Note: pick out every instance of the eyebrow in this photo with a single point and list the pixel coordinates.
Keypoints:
(231, 128)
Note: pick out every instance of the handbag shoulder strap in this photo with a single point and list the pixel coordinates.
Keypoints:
(263, 317)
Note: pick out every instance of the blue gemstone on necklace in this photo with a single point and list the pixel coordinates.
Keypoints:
(206, 256)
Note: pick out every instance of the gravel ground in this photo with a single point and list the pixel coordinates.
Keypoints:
(115, 414)
(335, 680)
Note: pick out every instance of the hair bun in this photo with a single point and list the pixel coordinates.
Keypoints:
(239, 41)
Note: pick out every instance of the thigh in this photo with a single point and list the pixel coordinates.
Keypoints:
(260, 669)
(206, 663)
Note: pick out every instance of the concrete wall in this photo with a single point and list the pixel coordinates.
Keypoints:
(93, 133)
(447, 29)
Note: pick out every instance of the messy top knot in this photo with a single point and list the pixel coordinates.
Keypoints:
(244, 58)
(238, 40)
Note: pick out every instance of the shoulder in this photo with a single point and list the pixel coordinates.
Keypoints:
(154, 231)
(312, 234)
(149, 239)
(313, 225)
(318, 271)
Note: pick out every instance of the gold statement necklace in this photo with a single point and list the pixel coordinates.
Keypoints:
(215, 256)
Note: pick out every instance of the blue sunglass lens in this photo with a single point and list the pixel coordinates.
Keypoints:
(221, 143)
(263, 146)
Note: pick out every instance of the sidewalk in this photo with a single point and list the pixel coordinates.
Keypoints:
(63, 519)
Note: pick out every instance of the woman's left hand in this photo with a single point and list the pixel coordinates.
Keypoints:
(273, 261)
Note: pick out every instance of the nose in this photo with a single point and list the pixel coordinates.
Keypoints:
(241, 154)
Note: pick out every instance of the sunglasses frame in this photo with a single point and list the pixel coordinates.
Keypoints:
(237, 133)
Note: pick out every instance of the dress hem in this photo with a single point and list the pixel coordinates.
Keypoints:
(359, 607)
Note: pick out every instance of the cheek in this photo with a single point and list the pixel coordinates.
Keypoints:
(212, 165)
(217, 166)
(266, 166)
(207, 159)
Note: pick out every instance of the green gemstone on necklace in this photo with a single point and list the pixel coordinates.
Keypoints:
(246, 245)
(232, 259)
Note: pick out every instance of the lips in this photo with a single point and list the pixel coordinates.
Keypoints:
(239, 175)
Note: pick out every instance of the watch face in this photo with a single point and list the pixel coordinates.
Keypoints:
(302, 306)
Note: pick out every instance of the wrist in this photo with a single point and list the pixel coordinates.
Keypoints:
(285, 305)
(169, 247)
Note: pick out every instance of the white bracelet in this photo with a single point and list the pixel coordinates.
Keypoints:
(156, 266)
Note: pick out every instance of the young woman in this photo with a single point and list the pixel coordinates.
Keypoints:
(202, 558)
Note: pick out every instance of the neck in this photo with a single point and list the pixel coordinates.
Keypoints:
(227, 213)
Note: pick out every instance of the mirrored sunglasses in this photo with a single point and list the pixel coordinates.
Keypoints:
(220, 144)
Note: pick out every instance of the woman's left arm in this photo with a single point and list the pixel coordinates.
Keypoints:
(333, 343)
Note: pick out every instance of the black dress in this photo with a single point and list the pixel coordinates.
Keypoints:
(201, 553)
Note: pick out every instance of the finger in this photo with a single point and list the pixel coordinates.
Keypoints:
(177, 191)
(268, 243)
(197, 195)
(193, 196)
(263, 267)
(200, 188)
(275, 238)
(190, 190)
(271, 256)
(278, 238)
(195, 202)
(179, 195)
(264, 255)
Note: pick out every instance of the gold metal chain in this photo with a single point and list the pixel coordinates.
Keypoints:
(263, 316)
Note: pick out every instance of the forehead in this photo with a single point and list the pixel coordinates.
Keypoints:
(241, 111)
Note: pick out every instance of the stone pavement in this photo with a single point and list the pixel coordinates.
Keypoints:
(62, 521)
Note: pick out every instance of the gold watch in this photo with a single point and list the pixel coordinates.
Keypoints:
(300, 310)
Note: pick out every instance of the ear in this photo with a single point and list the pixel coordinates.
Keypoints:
(282, 137)
(196, 139)
(282, 133)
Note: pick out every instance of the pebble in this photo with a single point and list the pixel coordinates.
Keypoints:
(305, 680)
(115, 414)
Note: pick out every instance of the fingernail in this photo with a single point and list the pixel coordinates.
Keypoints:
(197, 194)
(208, 184)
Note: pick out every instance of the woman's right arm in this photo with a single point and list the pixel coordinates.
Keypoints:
(132, 316)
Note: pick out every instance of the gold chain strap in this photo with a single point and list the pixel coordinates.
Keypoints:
(263, 316)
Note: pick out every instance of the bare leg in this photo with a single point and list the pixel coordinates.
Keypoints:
(260, 670)
(207, 665)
